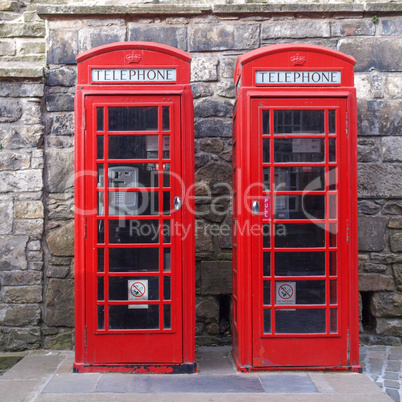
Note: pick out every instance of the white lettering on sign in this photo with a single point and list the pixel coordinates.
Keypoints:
(297, 77)
(133, 75)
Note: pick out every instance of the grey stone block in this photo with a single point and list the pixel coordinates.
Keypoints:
(386, 304)
(392, 149)
(375, 282)
(391, 26)
(396, 242)
(295, 29)
(59, 303)
(22, 294)
(60, 172)
(355, 27)
(19, 315)
(10, 110)
(216, 277)
(372, 233)
(204, 38)
(62, 76)
(12, 251)
(63, 46)
(368, 150)
(201, 90)
(382, 54)
(213, 128)
(204, 69)
(18, 278)
(89, 38)
(61, 240)
(60, 103)
(210, 107)
(172, 35)
(379, 117)
(380, 180)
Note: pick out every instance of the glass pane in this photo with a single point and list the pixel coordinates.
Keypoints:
(333, 320)
(101, 203)
(133, 203)
(300, 321)
(266, 173)
(299, 150)
(332, 234)
(133, 175)
(299, 206)
(166, 175)
(300, 264)
(166, 288)
(167, 324)
(165, 118)
(266, 233)
(299, 122)
(166, 203)
(101, 294)
(332, 263)
(267, 321)
(166, 231)
(133, 259)
(265, 122)
(101, 231)
(100, 176)
(265, 150)
(121, 317)
(299, 178)
(293, 235)
(332, 206)
(267, 293)
(133, 231)
(166, 147)
(101, 317)
(133, 147)
(166, 262)
(331, 121)
(332, 179)
(333, 298)
(124, 287)
(266, 264)
(99, 140)
(100, 119)
(133, 118)
(101, 260)
(332, 150)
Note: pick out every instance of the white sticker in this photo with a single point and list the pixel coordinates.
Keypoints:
(285, 293)
(137, 291)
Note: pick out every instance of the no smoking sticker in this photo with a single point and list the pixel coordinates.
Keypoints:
(285, 293)
(137, 290)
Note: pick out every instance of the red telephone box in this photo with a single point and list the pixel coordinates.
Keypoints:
(134, 236)
(295, 290)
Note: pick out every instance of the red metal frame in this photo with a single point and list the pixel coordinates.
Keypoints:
(152, 351)
(252, 349)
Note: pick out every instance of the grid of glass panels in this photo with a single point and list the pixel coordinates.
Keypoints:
(134, 201)
(299, 213)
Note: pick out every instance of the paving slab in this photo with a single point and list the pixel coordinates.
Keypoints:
(287, 382)
(72, 383)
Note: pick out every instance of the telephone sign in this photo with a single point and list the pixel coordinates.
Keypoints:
(294, 153)
(135, 292)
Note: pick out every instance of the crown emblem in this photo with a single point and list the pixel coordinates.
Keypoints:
(133, 57)
(298, 60)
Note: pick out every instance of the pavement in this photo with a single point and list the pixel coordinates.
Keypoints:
(47, 376)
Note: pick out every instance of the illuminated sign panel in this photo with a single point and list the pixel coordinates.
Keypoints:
(297, 77)
(133, 75)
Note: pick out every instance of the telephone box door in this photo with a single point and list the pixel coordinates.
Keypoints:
(299, 258)
(133, 246)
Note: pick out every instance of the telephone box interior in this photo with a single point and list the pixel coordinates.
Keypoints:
(295, 293)
(134, 163)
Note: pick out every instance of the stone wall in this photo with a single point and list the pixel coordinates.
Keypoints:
(36, 163)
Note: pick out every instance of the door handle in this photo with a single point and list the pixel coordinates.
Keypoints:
(177, 203)
(255, 207)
